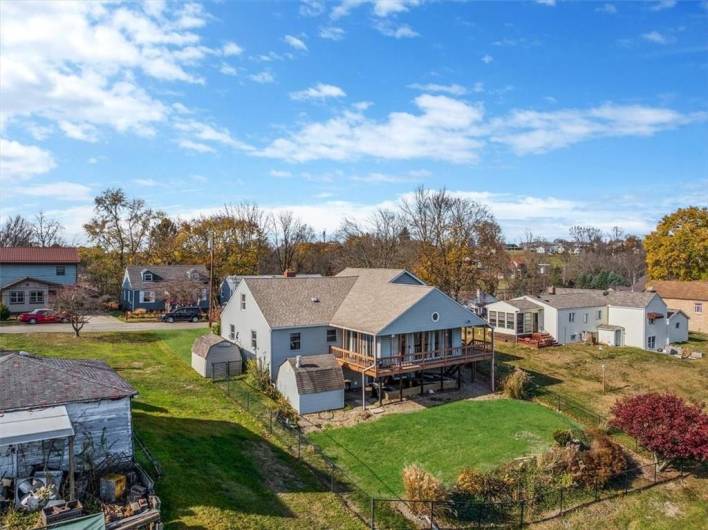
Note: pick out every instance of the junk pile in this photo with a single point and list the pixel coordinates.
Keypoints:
(127, 500)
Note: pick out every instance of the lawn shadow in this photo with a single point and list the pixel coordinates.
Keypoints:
(222, 465)
(142, 337)
(146, 407)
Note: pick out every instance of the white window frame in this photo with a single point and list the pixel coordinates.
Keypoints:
(60, 270)
(698, 307)
(19, 297)
(148, 276)
(143, 299)
(599, 314)
(232, 332)
(585, 318)
(295, 340)
(34, 299)
(331, 331)
(254, 339)
(243, 301)
(651, 342)
(571, 317)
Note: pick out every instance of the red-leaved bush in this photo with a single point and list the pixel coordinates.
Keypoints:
(664, 424)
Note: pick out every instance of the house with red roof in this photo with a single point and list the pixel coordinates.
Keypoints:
(31, 276)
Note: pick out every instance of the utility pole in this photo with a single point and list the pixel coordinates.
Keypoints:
(211, 273)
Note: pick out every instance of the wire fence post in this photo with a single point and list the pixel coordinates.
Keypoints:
(248, 401)
(270, 421)
(373, 513)
(626, 482)
(521, 515)
(432, 517)
(299, 442)
(561, 501)
(597, 491)
(655, 466)
(559, 403)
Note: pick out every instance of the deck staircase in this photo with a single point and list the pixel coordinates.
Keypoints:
(539, 340)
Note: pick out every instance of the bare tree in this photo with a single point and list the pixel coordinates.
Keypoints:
(183, 291)
(76, 304)
(288, 233)
(16, 232)
(47, 232)
(379, 242)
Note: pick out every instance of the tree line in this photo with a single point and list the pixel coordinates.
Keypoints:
(447, 241)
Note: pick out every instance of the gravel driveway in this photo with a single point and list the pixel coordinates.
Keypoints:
(100, 323)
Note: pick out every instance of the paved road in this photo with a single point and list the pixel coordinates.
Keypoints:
(100, 323)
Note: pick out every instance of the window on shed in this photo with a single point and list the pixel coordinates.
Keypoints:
(254, 339)
(17, 297)
(294, 341)
(678, 325)
(243, 302)
(36, 297)
(232, 332)
(493, 318)
(61, 270)
(571, 317)
(331, 335)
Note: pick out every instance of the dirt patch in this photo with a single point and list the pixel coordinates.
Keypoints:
(276, 474)
(672, 510)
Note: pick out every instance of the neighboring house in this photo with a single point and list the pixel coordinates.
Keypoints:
(690, 297)
(678, 326)
(49, 405)
(376, 322)
(31, 276)
(215, 357)
(312, 383)
(229, 284)
(617, 318)
(148, 286)
(478, 302)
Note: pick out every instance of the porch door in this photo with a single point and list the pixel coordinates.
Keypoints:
(402, 344)
(535, 322)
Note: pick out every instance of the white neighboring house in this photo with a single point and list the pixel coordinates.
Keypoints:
(378, 324)
(617, 318)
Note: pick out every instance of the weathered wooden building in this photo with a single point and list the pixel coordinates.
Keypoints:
(48, 406)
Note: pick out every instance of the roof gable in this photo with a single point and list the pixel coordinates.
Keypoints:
(29, 381)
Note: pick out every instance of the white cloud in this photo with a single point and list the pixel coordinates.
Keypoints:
(478, 87)
(231, 48)
(22, 162)
(385, 178)
(311, 8)
(609, 9)
(79, 131)
(381, 8)
(332, 33)
(295, 43)
(549, 3)
(147, 182)
(486, 58)
(441, 130)
(320, 91)
(655, 37)
(402, 31)
(262, 77)
(453, 89)
(279, 173)
(61, 191)
(200, 132)
(227, 69)
(195, 146)
(663, 4)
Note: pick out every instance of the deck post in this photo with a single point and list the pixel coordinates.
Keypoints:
(459, 377)
(422, 383)
(363, 391)
(378, 380)
(493, 362)
(442, 387)
(400, 386)
(72, 470)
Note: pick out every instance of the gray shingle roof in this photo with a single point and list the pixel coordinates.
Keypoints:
(317, 373)
(204, 343)
(288, 302)
(523, 304)
(595, 298)
(164, 273)
(29, 381)
(609, 327)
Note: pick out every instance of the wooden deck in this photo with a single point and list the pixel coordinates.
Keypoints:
(413, 362)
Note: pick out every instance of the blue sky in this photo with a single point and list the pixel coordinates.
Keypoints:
(550, 113)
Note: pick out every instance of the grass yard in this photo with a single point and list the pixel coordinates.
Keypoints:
(443, 439)
(575, 371)
(220, 470)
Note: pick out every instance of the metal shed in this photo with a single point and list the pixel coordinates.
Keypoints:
(312, 383)
(215, 357)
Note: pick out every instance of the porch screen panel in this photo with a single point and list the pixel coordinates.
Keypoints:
(519, 322)
(510, 320)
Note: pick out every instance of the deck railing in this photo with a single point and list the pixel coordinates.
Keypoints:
(412, 361)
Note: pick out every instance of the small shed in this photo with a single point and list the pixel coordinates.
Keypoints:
(215, 357)
(677, 322)
(610, 335)
(312, 383)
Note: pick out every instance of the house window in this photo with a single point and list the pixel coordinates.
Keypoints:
(651, 342)
(243, 302)
(203, 295)
(17, 297)
(36, 297)
(61, 270)
(571, 317)
(435, 316)
(254, 339)
(599, 314)
(232, 332)
(698, 307)
(510, 320)
(585, 318)
(147, 276)
(493, 318)
(573, 337)
(147, 297)
(331, 335)
(294, 341)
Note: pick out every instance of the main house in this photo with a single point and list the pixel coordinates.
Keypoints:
(153, 287)
(616, 318)
(379, 324)
(229, 283)
(31, 276)
(689, 297)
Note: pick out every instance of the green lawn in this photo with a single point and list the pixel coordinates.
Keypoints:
(220, 470)
(443, 439)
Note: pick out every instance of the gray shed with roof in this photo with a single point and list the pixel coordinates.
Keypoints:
(312, 383)
(215, 357)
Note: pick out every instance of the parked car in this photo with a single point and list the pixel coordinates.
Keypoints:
(189, 314)
(42, 316)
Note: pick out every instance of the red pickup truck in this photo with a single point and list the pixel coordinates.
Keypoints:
(41, 316)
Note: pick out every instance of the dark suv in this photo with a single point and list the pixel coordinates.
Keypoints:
(191, 314)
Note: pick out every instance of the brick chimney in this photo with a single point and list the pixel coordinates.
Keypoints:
(289, 274)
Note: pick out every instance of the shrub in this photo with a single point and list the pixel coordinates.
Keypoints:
(216, 328)
(517, 385)
(562, 437)
(606, 458)
(4, 312)
(420, 485)
(665, 424)
(574, 436)
(491, 486)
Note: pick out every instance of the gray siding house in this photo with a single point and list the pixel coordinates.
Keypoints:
(148, 286)
(229, 284)
(31, 276)
(49, 406)
(379, 324)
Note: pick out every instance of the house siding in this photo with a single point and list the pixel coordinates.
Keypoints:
(47, 272)
(313, 341)
(306, 403)
(28, 287)
(679, 334)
